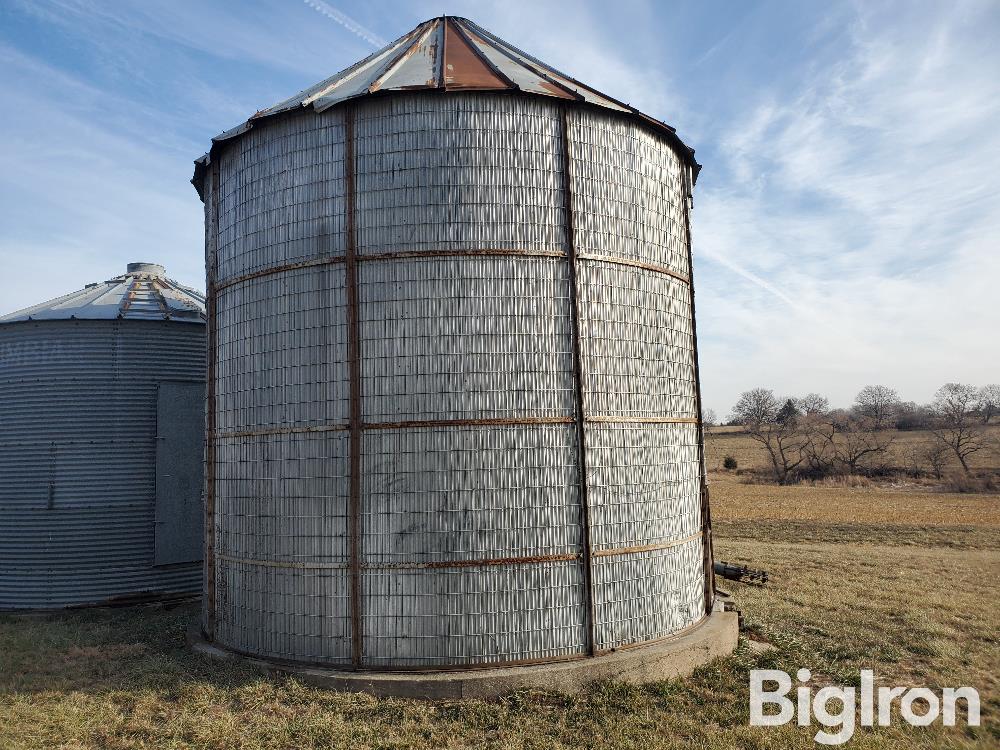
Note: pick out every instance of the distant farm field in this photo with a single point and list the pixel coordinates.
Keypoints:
(902, 581)
(732, 441)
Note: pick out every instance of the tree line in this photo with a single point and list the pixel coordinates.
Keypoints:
(804, 438)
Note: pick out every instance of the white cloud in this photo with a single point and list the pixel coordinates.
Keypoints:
(870, 198)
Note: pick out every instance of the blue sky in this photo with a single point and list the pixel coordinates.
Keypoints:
(846, 223)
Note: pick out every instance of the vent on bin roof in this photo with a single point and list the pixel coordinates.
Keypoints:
(448, 53)
(143, 292)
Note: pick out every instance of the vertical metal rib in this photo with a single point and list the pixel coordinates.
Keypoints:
(354, 377)
(588, 565)
(211, 272)
(706, 516)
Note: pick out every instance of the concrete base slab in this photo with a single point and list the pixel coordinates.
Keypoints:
(713, 637)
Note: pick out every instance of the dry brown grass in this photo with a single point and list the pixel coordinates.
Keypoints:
(905, 583)
(733, 500)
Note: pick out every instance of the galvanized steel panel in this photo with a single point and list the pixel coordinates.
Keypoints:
(77, 458)
(465, 338)
(476, 171)
(180, 456)
(281, 351)
(420, 618)
(142, 293)
(419, 66)
(648, 595)
(636, 342)
(281, 197)
(282, 612)
(282, 498)
(433, 495)
(644, 484)
(628, 193)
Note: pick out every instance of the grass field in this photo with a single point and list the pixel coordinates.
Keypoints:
(904, 582)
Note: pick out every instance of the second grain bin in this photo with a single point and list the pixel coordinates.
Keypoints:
(101, 443)
(453, 387)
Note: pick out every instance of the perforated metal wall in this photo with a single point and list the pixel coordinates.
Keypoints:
(412, 294)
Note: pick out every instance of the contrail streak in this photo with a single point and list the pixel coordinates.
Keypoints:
(347, 22)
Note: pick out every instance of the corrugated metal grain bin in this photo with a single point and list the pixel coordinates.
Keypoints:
(453, 387)
(101, 444)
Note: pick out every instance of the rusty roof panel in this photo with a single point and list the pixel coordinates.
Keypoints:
(464, 68)
(417, 68)
(525, 78)
(447, 53)
(532, 63)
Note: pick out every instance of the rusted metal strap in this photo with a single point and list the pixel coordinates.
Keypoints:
(639, 549)
(397, 255)
(581, 433)
(211, 292)
(706, 515)
(223, 435)
(610, 418)
(285, 268)
(354, 377)
(499, 422)
(446, 423)
(472, 253)
(635, 264)
(484, 562)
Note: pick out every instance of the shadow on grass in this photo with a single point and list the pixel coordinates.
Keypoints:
(109, 648)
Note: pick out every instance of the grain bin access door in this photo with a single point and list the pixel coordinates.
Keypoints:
(180, 442)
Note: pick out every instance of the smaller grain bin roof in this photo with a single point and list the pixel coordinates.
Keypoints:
(143, 292)
(445, 54)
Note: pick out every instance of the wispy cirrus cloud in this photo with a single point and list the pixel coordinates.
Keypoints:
(846, 222)
(869, 197)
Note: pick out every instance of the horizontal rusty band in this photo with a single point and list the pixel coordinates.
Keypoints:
(605, 419)
(635, 264)
(464, 254)
(483, 563)
(498, 422)
(446, 564)
(403, 254)
(430, 423)
(326, 261)
(291, 564)
(280, 431)
(645, 547)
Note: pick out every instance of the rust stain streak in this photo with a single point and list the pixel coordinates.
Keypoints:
(463, 67)
(499, 422)
(636, 264)
(222, 435)
(639, 549)
(611, 418)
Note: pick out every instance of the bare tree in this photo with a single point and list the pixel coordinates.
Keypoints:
(783, 439)
(877, 403)
(989, 401)
(813, 403)
(932, 457)
(708, 417)
(844, 446)
(955, 424)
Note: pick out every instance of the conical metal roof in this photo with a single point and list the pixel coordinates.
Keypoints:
(143, 292)
(445, 54)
